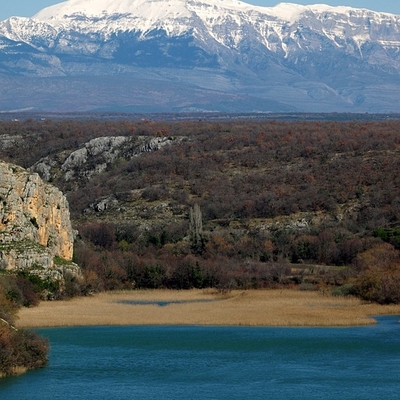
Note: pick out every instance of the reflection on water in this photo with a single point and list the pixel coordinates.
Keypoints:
(387, 319)
(192, 362)
(162, 303)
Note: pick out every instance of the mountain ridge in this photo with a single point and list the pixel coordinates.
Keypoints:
(300, 58)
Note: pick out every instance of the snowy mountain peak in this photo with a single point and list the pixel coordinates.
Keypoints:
(102, 8)
(222, 18)
(288, 12)
(90, 8)
(227, 22)
(289, 53)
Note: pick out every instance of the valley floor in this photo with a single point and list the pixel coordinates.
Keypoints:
(205, 307)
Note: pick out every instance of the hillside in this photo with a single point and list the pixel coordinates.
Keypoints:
(225, 204)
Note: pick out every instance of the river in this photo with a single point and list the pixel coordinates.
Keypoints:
(193, 362)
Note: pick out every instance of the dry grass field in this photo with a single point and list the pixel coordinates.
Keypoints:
(205, 307)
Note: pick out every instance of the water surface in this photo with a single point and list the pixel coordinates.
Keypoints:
(192, 362)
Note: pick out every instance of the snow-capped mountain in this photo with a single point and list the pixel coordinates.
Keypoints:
(224, 55)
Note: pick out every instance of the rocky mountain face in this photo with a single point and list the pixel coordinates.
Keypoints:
(35, 227)
(187, 55)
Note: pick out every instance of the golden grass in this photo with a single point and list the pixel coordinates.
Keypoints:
(251, 308)
(15, 371)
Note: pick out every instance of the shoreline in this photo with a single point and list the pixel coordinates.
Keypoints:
(286, 308)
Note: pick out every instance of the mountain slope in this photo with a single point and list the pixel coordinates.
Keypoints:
(232, 55)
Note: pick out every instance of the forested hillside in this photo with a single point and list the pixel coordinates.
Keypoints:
(225, 204)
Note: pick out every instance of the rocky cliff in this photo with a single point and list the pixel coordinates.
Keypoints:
(35, 225)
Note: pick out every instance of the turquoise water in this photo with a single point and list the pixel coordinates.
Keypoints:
(175, 362)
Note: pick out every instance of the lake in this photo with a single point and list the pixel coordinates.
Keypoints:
(193, 362)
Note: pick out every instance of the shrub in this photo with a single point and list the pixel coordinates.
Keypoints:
(19, 291)
(308, 287)
(381, 284)
(347, 289)
(391, 236)
(21, 350)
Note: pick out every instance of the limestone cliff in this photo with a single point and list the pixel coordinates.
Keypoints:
(35, 222)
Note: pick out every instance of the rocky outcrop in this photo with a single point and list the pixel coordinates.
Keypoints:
(35, 225)
(105, 149)
(95, 156)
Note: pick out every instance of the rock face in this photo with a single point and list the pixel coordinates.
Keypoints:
(95, 156)
(35, 222)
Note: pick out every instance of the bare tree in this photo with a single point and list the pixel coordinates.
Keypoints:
(196, 229)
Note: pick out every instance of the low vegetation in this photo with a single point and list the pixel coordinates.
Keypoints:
(20, 350)
(281, 307)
